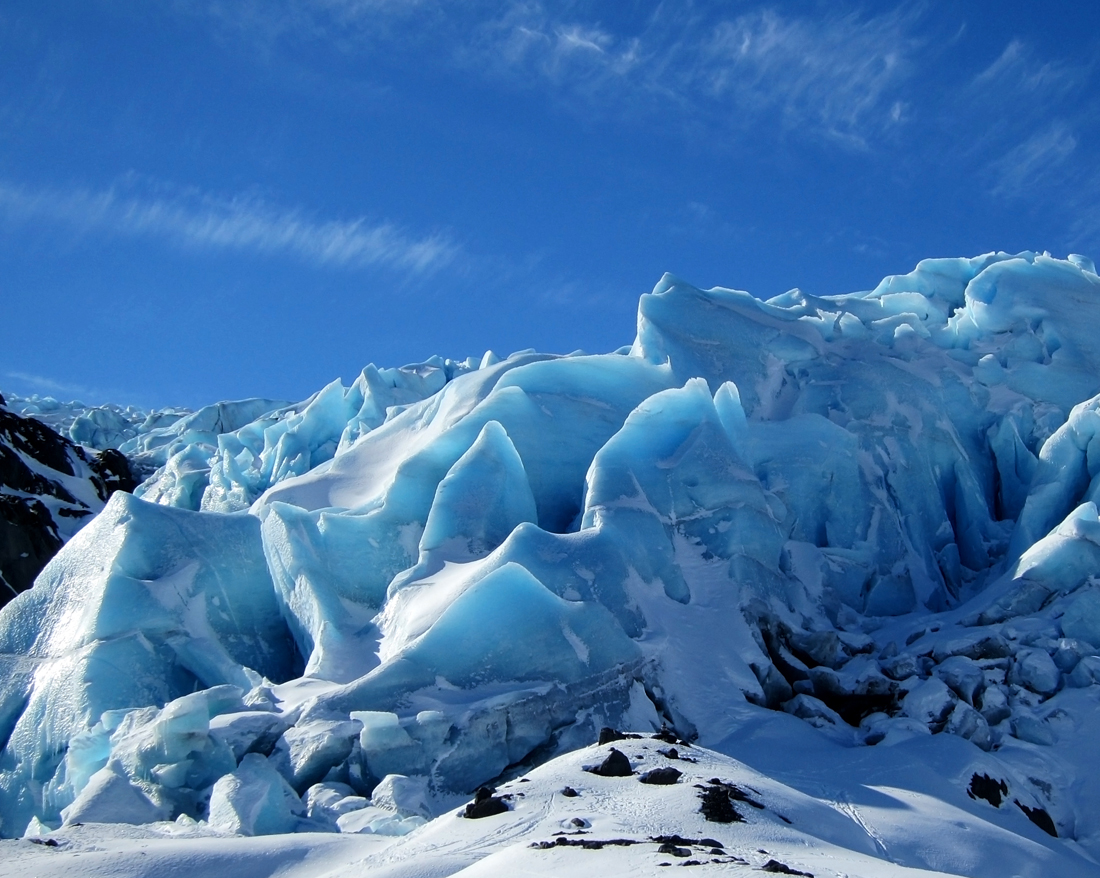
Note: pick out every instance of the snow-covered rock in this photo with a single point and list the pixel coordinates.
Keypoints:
(930, 702)
(1036, 670)
(965, 677)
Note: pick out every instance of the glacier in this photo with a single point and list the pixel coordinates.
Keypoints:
(872, 515)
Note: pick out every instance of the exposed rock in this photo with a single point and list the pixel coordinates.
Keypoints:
(661, 776)
(718, 799)
(28, 539)
(1040, 818)
(982, 786)
(609, 735)
(615, 765)
(977, 645)
(778, 868)
(485, 804)
(717, 806)
(114, 472)
(39, 472)
(588, 844)
(669, 737)
(679, 839)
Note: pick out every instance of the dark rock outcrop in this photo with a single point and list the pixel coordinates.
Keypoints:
(42, 499)
(661, 776)
(982, 786)
(1039, 817)
(615, 765)
(485, 804)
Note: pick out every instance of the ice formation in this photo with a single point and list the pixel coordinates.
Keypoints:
(99, 427)
(875, 513)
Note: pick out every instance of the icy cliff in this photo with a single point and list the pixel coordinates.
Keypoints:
(874, 512)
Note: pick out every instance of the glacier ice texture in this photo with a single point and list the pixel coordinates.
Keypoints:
(876, 512)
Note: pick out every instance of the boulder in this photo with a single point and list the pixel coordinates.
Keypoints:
(995, 706)
(963, 675)
(930, 702)
(615, 765)
(1033, 730)
(966, 722)
(1035, 670)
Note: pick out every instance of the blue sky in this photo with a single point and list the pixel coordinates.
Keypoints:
(207, 199)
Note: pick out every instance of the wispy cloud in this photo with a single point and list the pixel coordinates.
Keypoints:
(1034, 161)
(526, 45)
(840, 76)
(1032, 125)
(42, 382)
(245, 223)
(1017, 69)
(893, 82)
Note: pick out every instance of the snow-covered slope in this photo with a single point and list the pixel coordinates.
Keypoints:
(560, 819)
(870, 517)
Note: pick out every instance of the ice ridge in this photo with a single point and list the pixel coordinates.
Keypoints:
(875, 512)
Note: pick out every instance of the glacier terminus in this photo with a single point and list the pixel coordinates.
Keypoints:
(841, 554)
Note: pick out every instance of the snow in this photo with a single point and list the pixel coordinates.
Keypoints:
(821, 822)
(848, 546)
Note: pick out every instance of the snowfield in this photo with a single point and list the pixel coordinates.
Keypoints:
(619, 826)
(841, 554)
